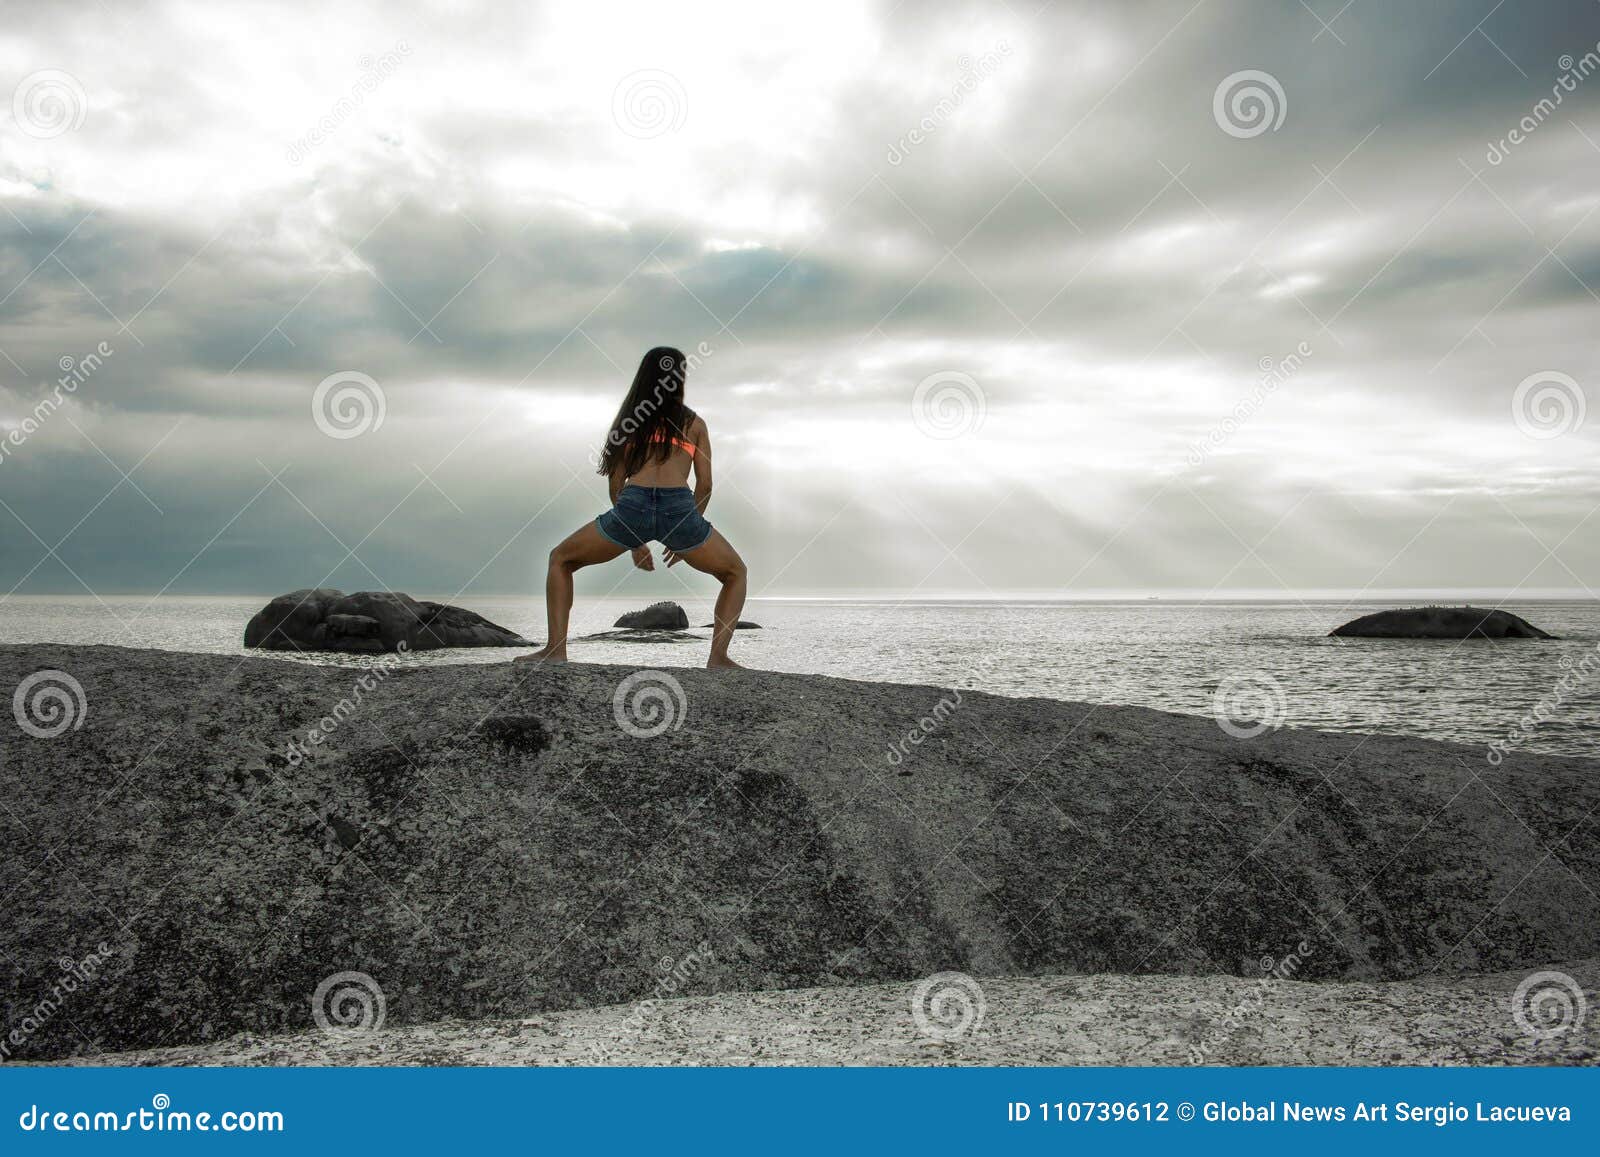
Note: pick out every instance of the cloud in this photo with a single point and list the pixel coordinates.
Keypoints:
(845, 201)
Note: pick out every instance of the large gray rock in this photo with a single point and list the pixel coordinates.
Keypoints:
(292, 621)
(1440, 623)
(488, 841)
(330, 620)
(656, 617)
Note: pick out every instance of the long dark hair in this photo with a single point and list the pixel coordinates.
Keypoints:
(650, 416)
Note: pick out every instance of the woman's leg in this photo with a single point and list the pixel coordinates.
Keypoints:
(585, 546)
(717, 558)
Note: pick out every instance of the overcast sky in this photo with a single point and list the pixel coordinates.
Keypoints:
(992, 299)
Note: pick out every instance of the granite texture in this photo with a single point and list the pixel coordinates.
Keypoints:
(490, 842)
(1057, 1020)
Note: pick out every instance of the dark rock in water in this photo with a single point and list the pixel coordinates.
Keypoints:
(294, 616)
(742, 625)
(1441, 623)
(226, 897)
(637, 635)
(330, 620)
(655, 617)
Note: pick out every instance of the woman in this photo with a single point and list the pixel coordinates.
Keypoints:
(655, 443)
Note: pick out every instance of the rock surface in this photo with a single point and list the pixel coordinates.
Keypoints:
(330, 620)
(1441, 623)
(490, 842)
(656, 617)
(741, 625)
(1055, 1020)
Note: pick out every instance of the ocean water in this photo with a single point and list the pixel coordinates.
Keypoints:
(1271, 660)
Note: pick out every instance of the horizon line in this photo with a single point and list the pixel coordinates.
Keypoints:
(1021, 595)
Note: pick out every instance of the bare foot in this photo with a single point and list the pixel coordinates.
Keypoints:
(723, 661)
(544, 655)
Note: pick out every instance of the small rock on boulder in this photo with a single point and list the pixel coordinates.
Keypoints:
(655, 617)
(330, 620)
(1441, 623)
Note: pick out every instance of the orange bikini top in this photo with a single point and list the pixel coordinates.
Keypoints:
(686, 447)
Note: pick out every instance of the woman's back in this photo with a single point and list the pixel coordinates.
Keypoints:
(673, 470)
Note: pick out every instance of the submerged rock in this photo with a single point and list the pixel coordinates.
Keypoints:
(1441, 623)
(741, 625)
(656, 617)
(328, 620)
(636, 635)
(492, 841)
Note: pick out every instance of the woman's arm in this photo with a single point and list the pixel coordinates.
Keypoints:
(614, 483)
(702, 464)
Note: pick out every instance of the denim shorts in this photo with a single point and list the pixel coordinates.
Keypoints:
(664, 514)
